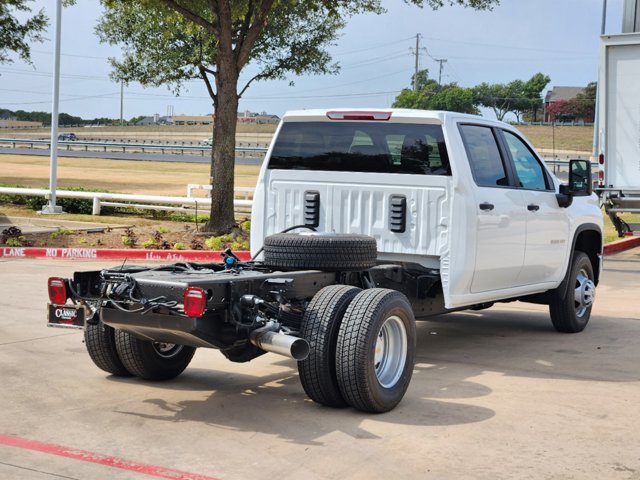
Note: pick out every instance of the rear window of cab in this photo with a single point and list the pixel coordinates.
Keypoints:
(361, 147)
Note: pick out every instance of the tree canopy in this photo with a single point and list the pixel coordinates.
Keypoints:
(430, 95)
(15, 34)
(517, 96)
(168, 42)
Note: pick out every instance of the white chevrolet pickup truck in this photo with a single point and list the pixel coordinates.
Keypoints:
(363, 221)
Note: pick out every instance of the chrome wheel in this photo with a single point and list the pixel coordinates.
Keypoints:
(167, 350)
(390, 352)
(584, 294)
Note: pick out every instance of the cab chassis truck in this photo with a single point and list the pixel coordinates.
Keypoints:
(363, 221)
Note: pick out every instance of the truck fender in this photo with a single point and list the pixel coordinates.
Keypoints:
(593, 255)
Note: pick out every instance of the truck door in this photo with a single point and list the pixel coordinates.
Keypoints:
(547, 224)
(500, 225)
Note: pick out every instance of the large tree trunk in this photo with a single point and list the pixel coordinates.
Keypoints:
(222, 218)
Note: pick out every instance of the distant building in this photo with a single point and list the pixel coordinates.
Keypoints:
(557, 94)
(251, 117)
(155, 120)
(192, 119)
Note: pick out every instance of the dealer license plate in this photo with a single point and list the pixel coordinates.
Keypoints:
(66, 316)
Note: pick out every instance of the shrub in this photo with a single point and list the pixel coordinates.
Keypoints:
(213, 243)
(179, 246)
(14, 242)
(149, 243)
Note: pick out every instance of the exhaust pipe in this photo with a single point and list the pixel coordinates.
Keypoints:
(270, 341)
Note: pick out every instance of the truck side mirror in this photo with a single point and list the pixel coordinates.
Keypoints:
(580, 183)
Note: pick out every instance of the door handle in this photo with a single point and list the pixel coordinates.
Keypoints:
(533, 208)
(486, 206)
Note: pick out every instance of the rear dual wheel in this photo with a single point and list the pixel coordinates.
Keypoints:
(376, 350)
(152, 360)
(120, 354)
(362, 348)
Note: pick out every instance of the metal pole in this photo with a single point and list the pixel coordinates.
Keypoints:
(121, 102)
(51, 206)
(415, 76)
(440, 75)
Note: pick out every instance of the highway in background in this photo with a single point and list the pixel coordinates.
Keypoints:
(149, 157)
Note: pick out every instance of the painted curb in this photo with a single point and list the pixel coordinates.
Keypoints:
(185, 255)
(621, 245)
(117, 254)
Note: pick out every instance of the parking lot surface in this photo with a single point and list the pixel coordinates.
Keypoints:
(495, 394)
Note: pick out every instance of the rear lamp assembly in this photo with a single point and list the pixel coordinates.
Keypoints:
(195, 300)
(57, 290)
(356, 115)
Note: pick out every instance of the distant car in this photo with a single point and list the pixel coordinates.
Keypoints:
(208, 141)
(68, 136)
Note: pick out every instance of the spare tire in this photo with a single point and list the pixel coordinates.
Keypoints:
(334, 252)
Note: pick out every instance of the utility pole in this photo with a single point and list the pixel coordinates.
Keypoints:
(51, 206)
(440, 61)
(121, 102)
(415, 75)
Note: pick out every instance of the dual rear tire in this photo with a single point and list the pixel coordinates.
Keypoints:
(362, 348)
(123, 355)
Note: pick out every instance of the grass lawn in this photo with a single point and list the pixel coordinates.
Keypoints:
(566, 138)
(145, 178)
(610, 233)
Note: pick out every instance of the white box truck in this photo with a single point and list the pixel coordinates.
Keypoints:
(619, 127)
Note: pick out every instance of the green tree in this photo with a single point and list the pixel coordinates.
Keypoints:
(501, 98)
(516, 96)
(167, 42)
(430, 95)
(533, 93)
(15, 34)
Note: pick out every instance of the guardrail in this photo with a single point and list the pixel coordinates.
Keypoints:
(14, 142)
(148, 202)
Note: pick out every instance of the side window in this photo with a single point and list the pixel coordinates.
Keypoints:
(484, 155)
(528, 169)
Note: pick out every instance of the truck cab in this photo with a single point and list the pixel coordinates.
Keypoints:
(462, 194)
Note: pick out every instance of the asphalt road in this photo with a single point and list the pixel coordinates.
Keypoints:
(496, 394)
(155, 157)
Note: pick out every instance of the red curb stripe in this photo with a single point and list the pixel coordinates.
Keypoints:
(621, 245)
(117, 254)
(114, 462)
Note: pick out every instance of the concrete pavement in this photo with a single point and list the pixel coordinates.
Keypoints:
(496, 394)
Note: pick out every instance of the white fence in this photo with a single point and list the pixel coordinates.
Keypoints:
(149, 202)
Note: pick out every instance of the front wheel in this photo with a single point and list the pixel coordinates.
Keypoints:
(571, 312)
(375, 350)
(152, 360)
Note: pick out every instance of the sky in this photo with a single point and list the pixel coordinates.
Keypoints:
(515, 40)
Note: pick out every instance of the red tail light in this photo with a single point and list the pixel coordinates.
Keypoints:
(601, 178)
(359, 115)
(57, 291)
(195, 299)
(601, 159)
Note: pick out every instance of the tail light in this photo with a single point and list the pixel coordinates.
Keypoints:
(359, 115)
(57, 291)
(601, 159)
(601, 178)
(195, 299)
